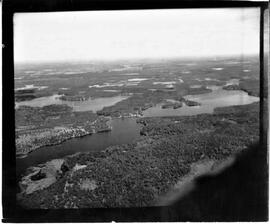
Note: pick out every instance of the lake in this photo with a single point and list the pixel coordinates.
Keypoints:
(217, 98)
(93, 104)
(125, 130)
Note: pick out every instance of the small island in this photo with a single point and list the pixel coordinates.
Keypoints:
(232, 87)
(73, 98)
(191, 103)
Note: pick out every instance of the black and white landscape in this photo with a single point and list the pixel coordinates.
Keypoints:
(121, 108)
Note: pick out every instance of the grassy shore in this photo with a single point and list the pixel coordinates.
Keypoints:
(138, 173)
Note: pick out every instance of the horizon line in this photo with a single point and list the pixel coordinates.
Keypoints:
(136, 59)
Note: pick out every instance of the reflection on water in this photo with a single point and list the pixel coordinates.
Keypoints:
(217, 98)
(90, 104)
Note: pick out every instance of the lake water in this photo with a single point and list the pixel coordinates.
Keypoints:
(93, 104)
(127, 130)
(123, 131)
(217, 98)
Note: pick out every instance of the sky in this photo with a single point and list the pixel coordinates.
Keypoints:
(129, 34)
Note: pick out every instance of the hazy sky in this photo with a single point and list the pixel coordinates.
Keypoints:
(89, 35)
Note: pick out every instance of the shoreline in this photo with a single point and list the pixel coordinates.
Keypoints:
(24, 155)
(59, 135)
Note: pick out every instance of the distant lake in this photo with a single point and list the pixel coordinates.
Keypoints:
(209, 101)
(93, 104)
